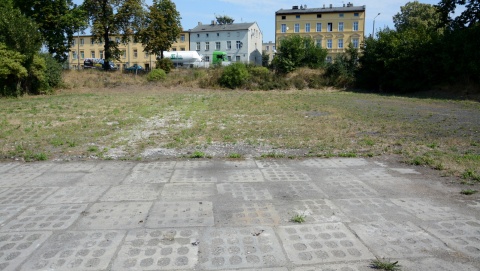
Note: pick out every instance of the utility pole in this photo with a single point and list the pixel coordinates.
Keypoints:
(373, 32)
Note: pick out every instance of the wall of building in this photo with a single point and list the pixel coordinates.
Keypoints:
(270, 49)
(334, 38)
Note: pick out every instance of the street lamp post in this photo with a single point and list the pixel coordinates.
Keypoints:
(373, 32)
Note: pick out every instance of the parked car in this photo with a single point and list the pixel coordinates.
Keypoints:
(134, 67)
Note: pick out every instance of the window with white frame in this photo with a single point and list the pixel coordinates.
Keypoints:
(341, 15)
(82, 42)
(355, 26)
(267, 48)
(229, 58)
(318, 43)
(239, 44)
(124, 54)
(329, 44)
(217, 46)
(355, 43)
(329, 59)
(284, 28)
(92, 41)
(296, 28)
(146, 55)
(182, 37)
(237, 58)
(73, 42)
(92, 53)
(74, 55)
(307, 27)
(319, 27)
(82, 54)
(198, 46)
(330, 27)
(207, 59)
(207, 46)
(340, 43)
(135, 53)
(101, 54)
(229, 45)
(182, 49)
(340, 26)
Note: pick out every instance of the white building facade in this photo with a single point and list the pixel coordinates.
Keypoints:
(242, 41)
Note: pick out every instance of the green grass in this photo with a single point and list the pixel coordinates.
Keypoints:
(133, 117)
(468, 192)
(386, 265)
(234, 155)
(298, 218)
(197, 154)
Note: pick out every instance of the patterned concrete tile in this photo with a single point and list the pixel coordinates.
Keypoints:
(427, 209)
(156, 172)
(284, 175)
(181, 214)
(16, 247)
(26, 196)
(76, 195)
(322, 243)
(158, 250)
(132, 193)
(235, 248)
(244, 191)
(76, 250)
(187, 191)
(256, 213)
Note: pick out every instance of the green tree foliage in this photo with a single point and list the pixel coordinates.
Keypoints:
(113, 17)
(234, 75)
(470, 17)
(12, 71)
(165, 64)
(224, 19)
(418, 16)
(161, 27)
(57, 21)
(341, 73)
(265, 59)
(296, 51)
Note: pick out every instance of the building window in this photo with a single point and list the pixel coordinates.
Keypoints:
(341, 15)
(82, 54)
(355, 43)
(229, 45)
(318, 43)
(207, 59)
(117, 40)
(228, 34)
(101, 54)
(207, 35)
(229, 58)
(329, 59)
(329, 44)
(198, 35)
(218, 34)
(182, 38)
(297, 28)
(356, 14)
(307, 27)
(340, 26)
(319, 15)
(82, 42)
(182, 49)
(92, 41)
(207, 46)
(135, 53)
(92, 53)
(198, 46)
(319, 27)
(73, 42)
(355, 26)
(340, 43)
(237, 58)
(239, 44)
(330, 27)
(267, 48)
(74, 54)
(284, 28)
(274, 48)
(146, 55)
(297, 16)
(174, 49)
(124, 54)
(217, 46)
(284, 17)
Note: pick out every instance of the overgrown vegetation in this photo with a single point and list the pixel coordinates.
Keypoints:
(156, 75)
(385, 265)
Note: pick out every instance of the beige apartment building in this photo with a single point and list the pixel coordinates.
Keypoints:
(333, 28)
(132, 53)
(270, 49)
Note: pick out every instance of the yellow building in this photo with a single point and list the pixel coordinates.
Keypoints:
(333, 28)
(132, 53)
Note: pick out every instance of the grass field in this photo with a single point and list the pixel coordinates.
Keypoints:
(113, 118)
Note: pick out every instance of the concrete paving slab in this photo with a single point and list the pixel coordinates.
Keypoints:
(9, 211)
(314, 211)
(398, 239)
(429, 209)
(369, 209)
(246, 247)
(132, 192)
(297, 191)
(351, 266)
(155, 172)
(255, 213)
(242, 175)
(436, 264)
(17, 179)
(188, 191)
(45, 217)
(181, 214)
(28, 195)
(194, 176)
(16, 247)
(347, 189)
(322, 243)
(244, 191)
(40, 167)
(114, 215)
(463, 236)
(106, 173)
(76, 195)
(166, 249)
(76, 250)
(57, 178)
(5, 167)
(284, 175)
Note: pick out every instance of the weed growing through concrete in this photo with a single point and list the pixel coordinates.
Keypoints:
(298, 218)
(386, 265)
(235, 155)
(468, 192)
(197, 154)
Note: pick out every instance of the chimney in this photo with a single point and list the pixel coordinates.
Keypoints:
(323, 5)
(199, 23)
(343, 5)
(213, 22)
(295, 7)
(305, 6)
(331, 5)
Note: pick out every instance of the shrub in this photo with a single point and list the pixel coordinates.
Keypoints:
(156, 75)
(234, 75)
(165, 64)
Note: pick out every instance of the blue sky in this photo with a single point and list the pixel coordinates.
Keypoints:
(263, 12)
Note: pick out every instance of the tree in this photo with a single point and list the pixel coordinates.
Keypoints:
(57, 21)
(162, 27)
(418, 16)
(113, 17)
(296, 51)
(470, 17)
(224, 19)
